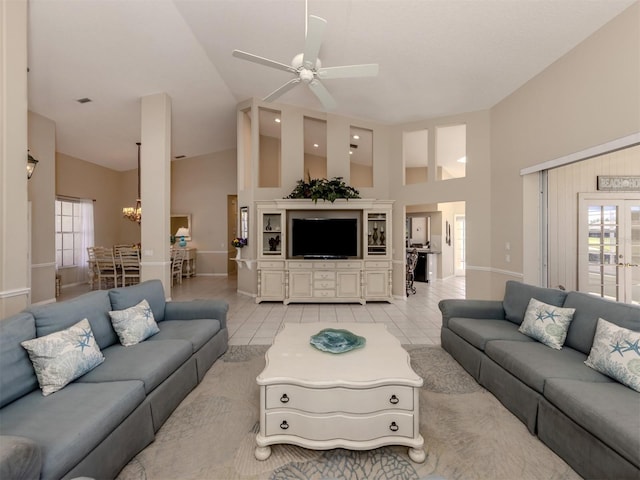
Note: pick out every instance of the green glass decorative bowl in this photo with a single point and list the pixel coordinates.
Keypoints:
(334, 340)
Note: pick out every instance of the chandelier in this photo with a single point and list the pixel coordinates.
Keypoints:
(135, 213)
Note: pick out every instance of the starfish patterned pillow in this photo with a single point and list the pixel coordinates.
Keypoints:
(616, 353)
(135, 324)
(547, 323)
(61, 357)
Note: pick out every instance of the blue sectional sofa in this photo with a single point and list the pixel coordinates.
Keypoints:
(587, 418)
(93, 426)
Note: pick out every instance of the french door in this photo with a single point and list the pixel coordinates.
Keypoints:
(609, 245)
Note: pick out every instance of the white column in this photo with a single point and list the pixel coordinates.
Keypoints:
(155, 188)
(14, 232)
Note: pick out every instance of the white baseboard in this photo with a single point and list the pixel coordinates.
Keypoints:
(44, 302)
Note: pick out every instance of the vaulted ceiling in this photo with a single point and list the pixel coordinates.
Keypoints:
(436, 58)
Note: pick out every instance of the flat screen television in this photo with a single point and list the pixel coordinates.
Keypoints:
(324, 237)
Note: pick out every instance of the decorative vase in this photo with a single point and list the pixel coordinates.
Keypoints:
(268, 227)
(382, 237)
(182, 242)
(375, 234)
(238, 251)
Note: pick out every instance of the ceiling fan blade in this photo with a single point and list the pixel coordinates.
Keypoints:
(349, 71)
(262, 61)
(315, 32)
(323, 94)
(284, 88)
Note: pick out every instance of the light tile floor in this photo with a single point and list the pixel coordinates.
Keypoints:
(415, 320)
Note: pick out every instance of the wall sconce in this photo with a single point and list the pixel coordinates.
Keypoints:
(31, 165)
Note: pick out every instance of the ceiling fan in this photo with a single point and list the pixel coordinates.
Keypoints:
(307, 67)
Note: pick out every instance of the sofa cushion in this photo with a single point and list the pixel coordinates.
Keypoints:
(588, 309)
(150, 362)
(517, 296)
(134, 324)
(152, 291)
(196, 332)
(20, 458)
(609, 410)
(94, 306)
(71, 423)
(534, 363)
(546, 323)
(479, 331)
(17, 377)
(61, 357)
(616, 353)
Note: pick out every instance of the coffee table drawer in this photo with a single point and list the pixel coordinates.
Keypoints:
(338, 399)
(339, 426)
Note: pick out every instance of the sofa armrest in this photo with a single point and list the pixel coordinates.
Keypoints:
(197, 309)
(481, 309)
(20, 458)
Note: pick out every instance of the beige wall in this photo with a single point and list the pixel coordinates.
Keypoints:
(361, 175)
(416, 175)
(471, 189)
(315, 166)
(564, 184)
(42, 143)
(199, 186)
(14, 261)
(588, 97)
(270, 162)
(111, 190)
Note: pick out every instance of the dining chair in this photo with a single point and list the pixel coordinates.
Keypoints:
(93, 268)
(129, 262)
(106, 268)
(177, 260)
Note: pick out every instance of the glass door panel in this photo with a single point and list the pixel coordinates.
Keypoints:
(609, 247)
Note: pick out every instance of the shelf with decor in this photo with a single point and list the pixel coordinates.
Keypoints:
(377, 233)
(272, 241)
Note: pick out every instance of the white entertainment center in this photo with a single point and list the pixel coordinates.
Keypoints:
(362, 274)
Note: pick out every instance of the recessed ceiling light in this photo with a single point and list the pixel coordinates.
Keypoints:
(462, 159)
(277, 120)
(315, 145)
(356, 137)
(84, 100)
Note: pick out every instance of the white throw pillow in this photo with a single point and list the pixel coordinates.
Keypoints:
(61, 357)
(134, 324)
(547, 323)
(616, 353)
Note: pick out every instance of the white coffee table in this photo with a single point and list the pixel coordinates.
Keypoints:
(360, 400)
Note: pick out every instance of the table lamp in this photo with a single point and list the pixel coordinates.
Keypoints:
(181, 233)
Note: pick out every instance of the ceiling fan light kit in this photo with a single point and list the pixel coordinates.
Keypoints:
(307, 67)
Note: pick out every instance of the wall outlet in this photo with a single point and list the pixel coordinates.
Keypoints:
(148, 253)
(507, 258)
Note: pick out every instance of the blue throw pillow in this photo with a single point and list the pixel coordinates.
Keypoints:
(616, 353)
(134, 324)
(547, 323)
(61, 357)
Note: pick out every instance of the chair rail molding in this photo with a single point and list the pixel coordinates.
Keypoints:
(16, 292)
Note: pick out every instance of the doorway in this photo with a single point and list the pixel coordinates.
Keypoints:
(609, 246)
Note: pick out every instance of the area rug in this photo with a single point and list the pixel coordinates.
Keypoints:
(468, 434)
